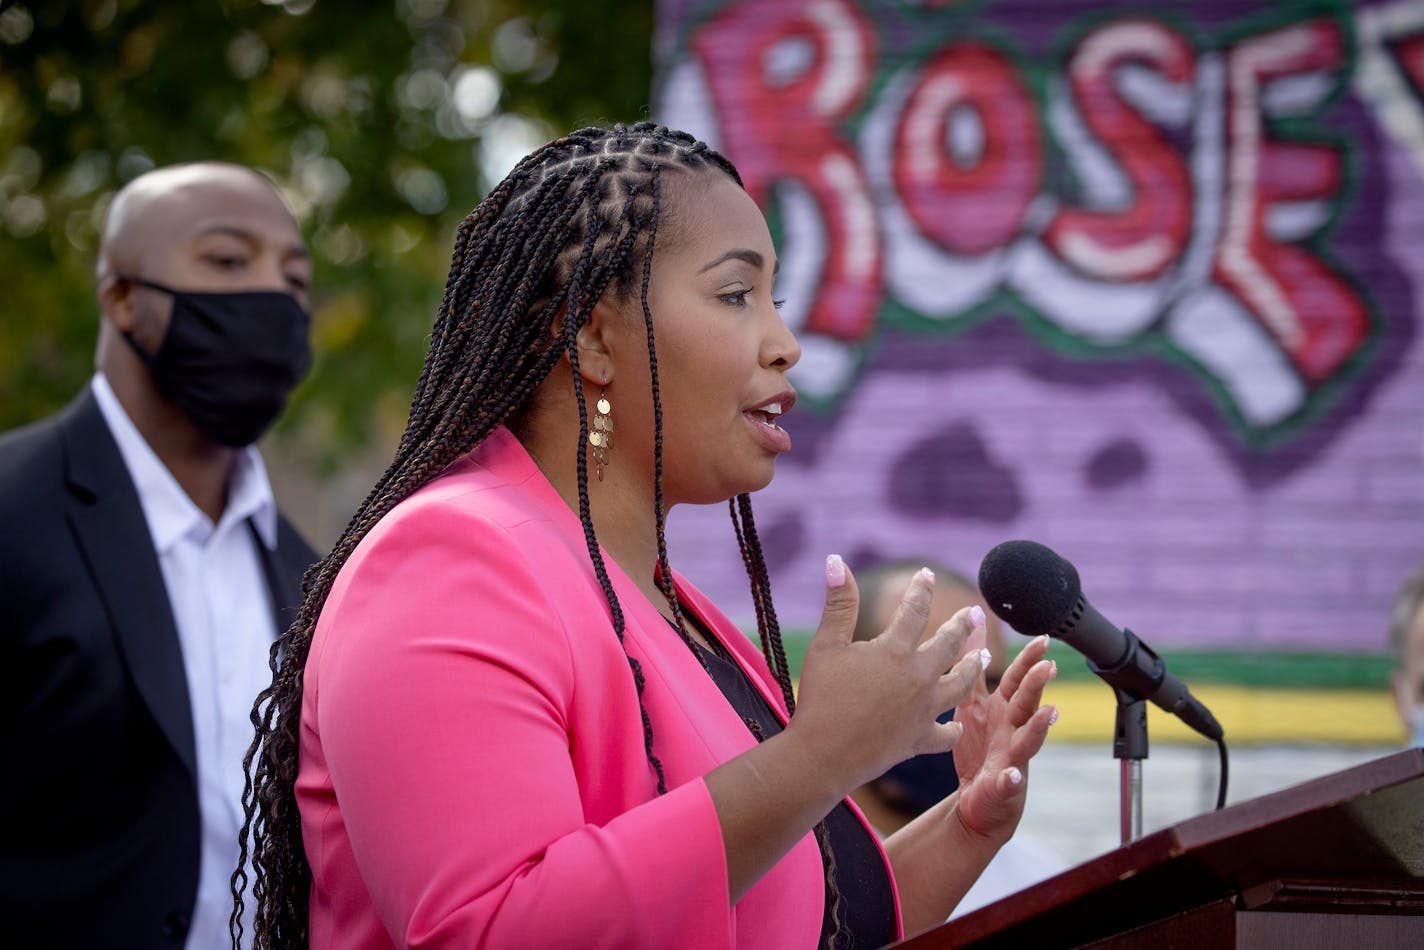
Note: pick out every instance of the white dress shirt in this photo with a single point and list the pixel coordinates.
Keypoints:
(223, 612)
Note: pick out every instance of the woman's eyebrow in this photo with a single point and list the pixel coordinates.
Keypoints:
(753, 258)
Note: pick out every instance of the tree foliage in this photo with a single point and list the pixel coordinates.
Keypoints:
(383, 123)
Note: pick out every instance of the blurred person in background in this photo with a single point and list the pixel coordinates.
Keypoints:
(1406, 636)
(145, 572)
(907, 790)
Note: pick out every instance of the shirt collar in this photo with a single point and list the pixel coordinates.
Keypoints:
(170, 513)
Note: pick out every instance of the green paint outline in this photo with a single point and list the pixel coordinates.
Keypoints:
(1266, 668)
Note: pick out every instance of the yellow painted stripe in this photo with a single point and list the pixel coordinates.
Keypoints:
(1248, 714)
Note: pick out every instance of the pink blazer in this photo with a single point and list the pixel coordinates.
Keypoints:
(472, 764)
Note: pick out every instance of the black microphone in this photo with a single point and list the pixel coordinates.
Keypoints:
(1035, 591)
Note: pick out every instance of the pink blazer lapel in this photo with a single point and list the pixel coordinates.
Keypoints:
(751, 660)
(747, 654)
(673, 675)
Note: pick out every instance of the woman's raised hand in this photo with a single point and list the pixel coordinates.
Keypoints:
(864, 706)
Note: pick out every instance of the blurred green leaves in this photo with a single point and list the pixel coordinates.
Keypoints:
(383, 123)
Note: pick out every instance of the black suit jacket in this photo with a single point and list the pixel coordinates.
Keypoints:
(99, 824)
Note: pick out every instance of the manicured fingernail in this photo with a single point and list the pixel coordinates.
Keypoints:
(1015, 776)
(985, 658)
(835, 571)
(1043, 638)
(1053, 716)
(927, 574)
(1052, 668)
(976, 616)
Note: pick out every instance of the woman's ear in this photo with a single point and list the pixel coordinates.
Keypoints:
(597, 343)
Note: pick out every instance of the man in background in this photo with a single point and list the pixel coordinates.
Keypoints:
(145, 572)
(1406, 636)
(907, 790)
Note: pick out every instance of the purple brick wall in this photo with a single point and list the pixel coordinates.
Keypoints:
(1220, 478)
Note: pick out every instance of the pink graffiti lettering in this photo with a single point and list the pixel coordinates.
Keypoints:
(790, 72)
(975, 201)
(1146, 237)
(1314, 315)
(946, 169)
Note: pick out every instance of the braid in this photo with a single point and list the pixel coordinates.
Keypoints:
(665, 583)
(767, 626)
(833, 893)
(591, 539)
(570, 223)
(771, 647)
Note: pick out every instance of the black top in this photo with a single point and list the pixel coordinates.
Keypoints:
(867, 905)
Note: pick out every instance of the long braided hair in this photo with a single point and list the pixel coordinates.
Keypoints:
(574, 220)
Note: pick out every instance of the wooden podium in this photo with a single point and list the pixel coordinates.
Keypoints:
(1335, 862)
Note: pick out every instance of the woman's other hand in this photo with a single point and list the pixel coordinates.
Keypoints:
(1002, 731)
(939, 855)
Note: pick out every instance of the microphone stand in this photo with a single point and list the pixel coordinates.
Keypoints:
(1131, 682)
(1130, 746)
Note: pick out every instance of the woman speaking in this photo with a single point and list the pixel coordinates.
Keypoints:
(503, 720)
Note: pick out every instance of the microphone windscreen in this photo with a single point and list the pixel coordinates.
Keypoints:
(1030, 587)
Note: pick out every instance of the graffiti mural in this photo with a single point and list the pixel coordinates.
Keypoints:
(1141, 282)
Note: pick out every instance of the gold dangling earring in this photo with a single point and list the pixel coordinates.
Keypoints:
(601, 438)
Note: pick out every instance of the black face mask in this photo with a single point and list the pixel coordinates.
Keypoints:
(230, 360)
